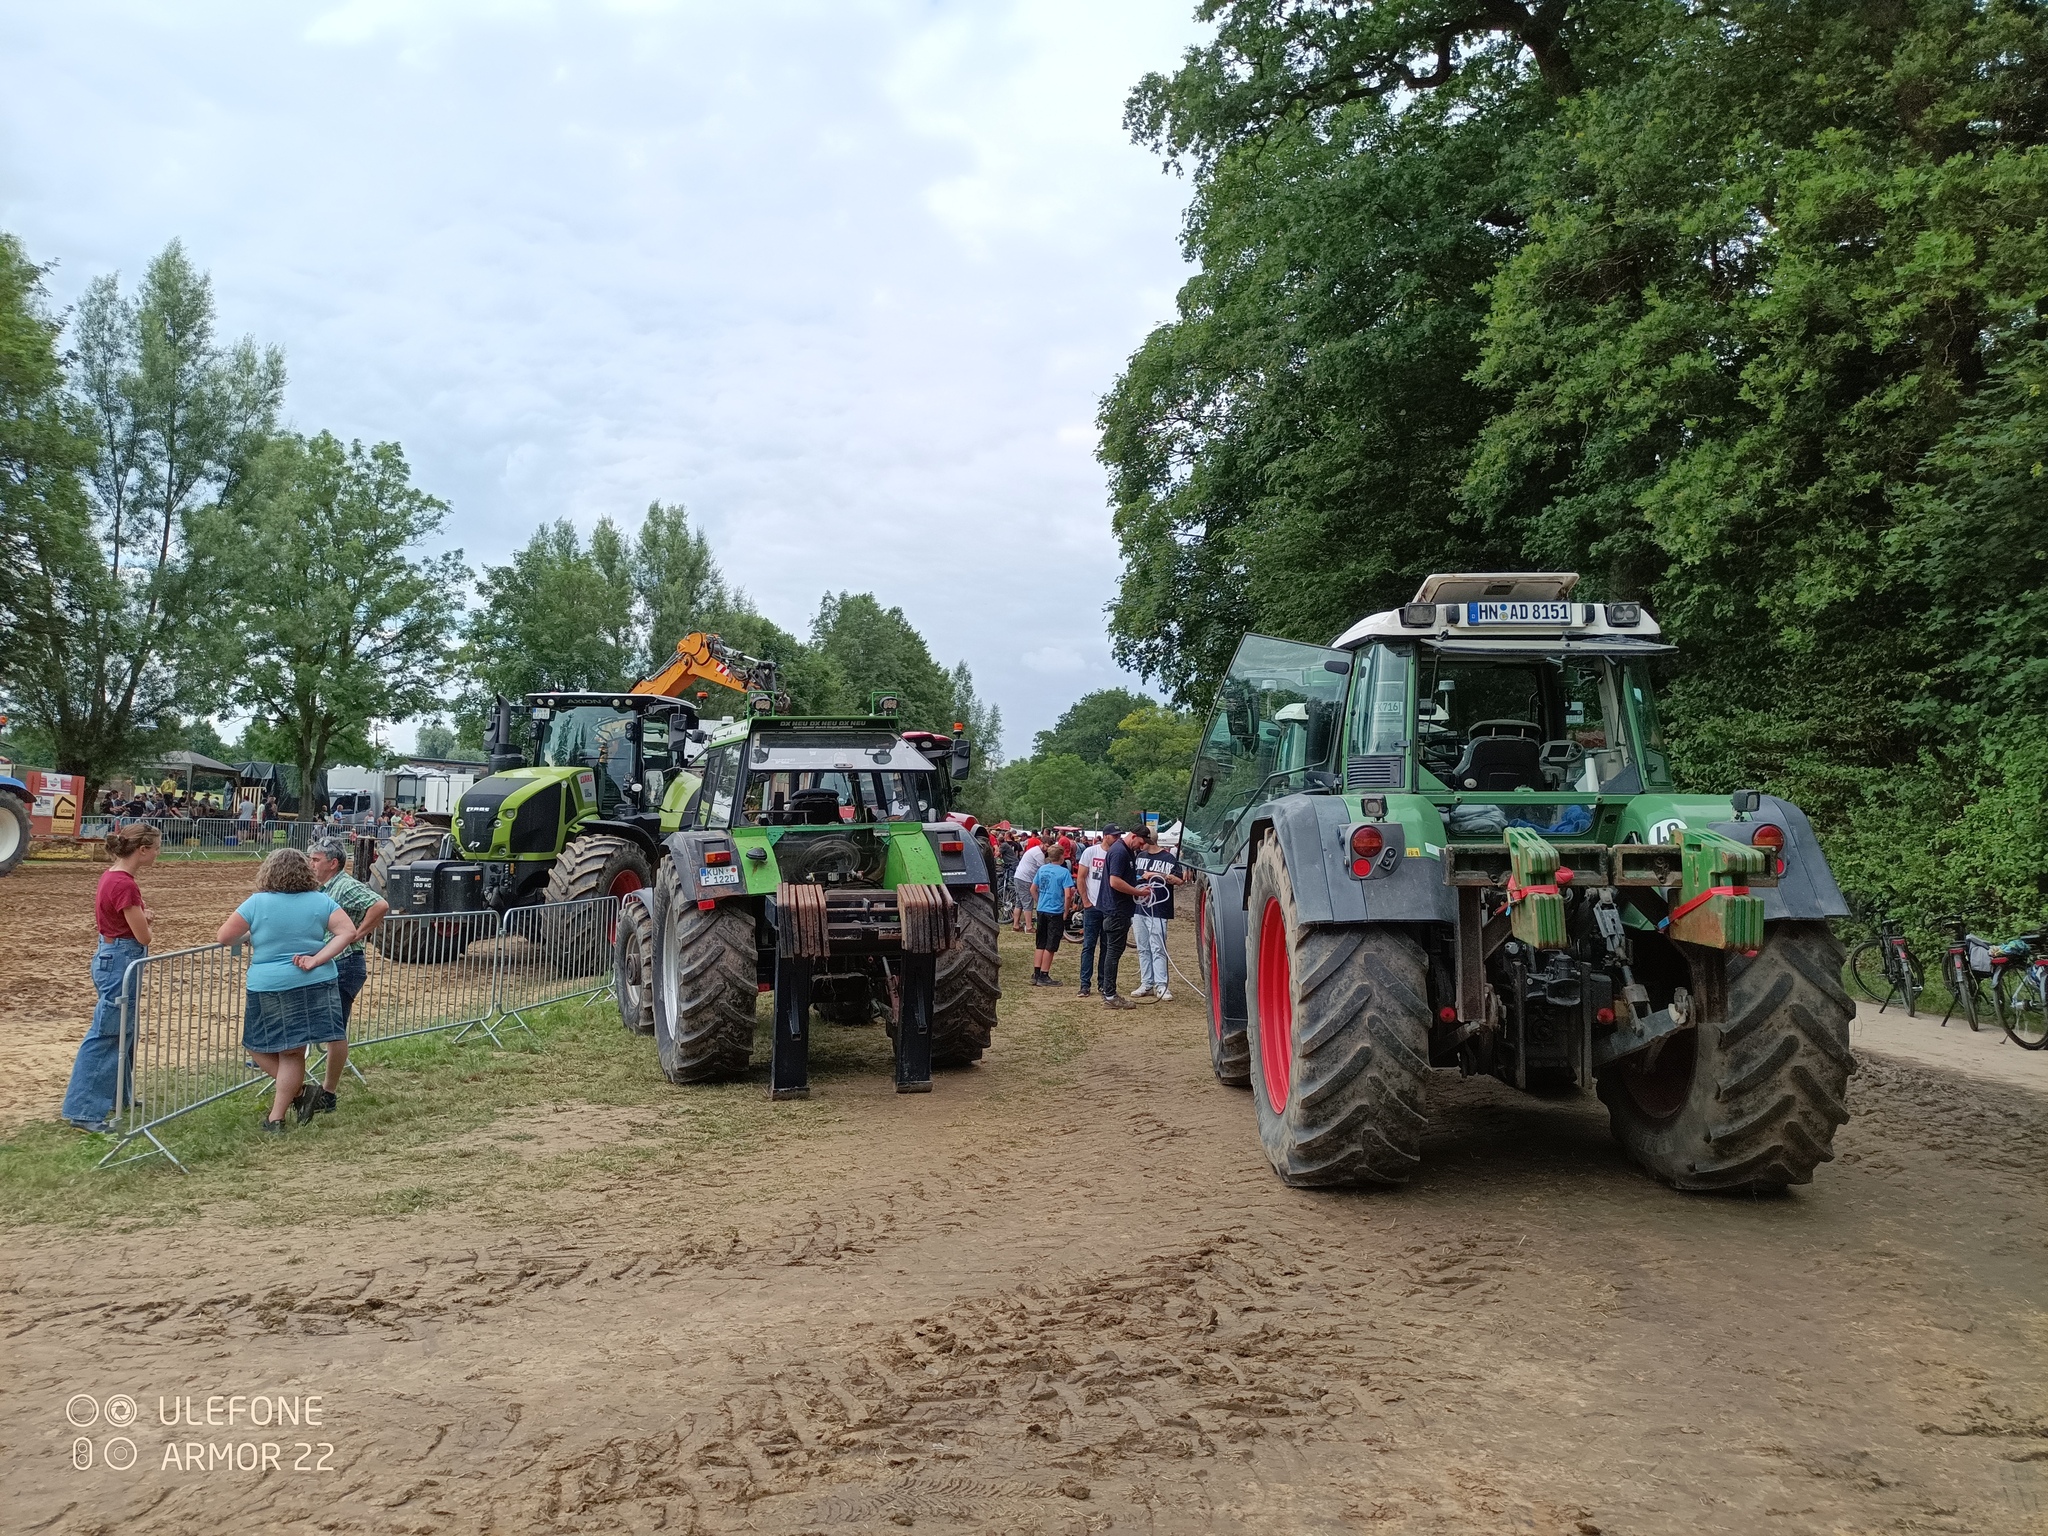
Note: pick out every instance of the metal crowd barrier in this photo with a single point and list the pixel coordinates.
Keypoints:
(181, 1013)
(205, 837)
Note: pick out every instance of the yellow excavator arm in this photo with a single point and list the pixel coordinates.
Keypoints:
(706, 658)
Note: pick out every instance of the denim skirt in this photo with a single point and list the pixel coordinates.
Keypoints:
(298, 1016)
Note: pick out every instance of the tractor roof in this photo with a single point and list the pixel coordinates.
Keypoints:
(1524, 611)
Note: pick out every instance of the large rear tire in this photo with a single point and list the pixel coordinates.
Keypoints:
(14, 830)
(422, 842)
(1230, 1052)
(581, 940)
(966, 984)
(1338, 1036)
(1752, 1102)
(704, 986)
(417, 939)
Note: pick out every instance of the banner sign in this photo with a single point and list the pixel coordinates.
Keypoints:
(55, 812)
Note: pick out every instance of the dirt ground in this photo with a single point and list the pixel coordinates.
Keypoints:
(46, 945)
(1072, 1299)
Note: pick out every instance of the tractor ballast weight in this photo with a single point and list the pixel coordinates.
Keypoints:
(1450, 840)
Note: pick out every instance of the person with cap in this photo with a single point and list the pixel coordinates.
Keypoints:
(1159, 871)
(1026, 893)
(1117, 900)
(367, 910)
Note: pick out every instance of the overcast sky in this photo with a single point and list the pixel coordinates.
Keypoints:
(847, 278)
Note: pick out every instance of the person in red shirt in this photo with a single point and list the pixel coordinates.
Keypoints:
(100, 1073)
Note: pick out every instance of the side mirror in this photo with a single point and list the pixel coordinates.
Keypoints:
(1746, 802)
(963, 758)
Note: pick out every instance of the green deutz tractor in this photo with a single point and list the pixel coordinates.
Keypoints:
(1450, 841)
(819, 859)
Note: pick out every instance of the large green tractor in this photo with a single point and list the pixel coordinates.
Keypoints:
(820, 860)
(585, 816)
(1450, 841)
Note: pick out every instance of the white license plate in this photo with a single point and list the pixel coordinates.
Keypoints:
(706, 875)
(1518, 613)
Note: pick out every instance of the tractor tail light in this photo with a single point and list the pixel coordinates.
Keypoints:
(1605, 1015)
(1768, 834)
(1448, 1015)
(718, 856)
(949, 847)
(1366, 842)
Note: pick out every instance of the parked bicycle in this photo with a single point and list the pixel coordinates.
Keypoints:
(1884, 968)
(1967, 970)
(2020, 987)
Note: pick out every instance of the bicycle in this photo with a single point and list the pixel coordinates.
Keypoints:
(2020, 988)
(1964, 968)
(1887, 959)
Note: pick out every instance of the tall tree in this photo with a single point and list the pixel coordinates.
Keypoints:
(551, 619)
(873, 648)
(45, 445)
(676, 580)
(1088, 725)
(330, 615)
(178, 418)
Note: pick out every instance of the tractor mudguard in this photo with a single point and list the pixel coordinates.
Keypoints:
(1807, 889)
(1226, 902)
(973, 870)
(632, 832)
(1311, 832)
(686, 852)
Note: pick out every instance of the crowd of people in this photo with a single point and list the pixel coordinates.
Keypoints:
(305, 924)
(164, 804)
(1121, 882)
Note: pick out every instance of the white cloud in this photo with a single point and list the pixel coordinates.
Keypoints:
(846, 278)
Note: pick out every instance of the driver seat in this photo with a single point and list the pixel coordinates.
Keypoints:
(817, 807)
(1500, 762)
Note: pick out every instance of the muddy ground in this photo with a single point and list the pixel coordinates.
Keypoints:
(1071, 1297)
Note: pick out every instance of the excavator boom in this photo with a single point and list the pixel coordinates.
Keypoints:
(706, 658)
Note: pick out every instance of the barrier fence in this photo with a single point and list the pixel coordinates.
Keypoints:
(214, 837)
(181, 1013)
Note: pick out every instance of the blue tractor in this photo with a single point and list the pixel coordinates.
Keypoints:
(15, 801)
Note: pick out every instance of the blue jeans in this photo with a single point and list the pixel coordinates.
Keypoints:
(350, 972)
(1091, 935)
(1150, 933)
(99, 1077)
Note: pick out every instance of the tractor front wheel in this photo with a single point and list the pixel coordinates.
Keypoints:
(581, 940)
(704, 986)
(1750, 1102)
(1338, 1040)
(1229, 1053)
(14, 830)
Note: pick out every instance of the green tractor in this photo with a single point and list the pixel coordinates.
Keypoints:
(578, 812)
(820, 860)
(1450, 841)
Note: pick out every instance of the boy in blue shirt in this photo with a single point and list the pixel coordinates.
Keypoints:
(1055, 887)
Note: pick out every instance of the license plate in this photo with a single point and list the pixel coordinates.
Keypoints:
(706, 875)
(1518, 613)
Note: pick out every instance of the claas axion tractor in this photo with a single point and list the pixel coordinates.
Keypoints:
(1451, 840)
(818, 859)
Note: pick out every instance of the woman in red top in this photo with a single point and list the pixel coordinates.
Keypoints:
(99, 1073)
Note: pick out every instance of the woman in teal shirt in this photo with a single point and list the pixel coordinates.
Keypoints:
(295, 931)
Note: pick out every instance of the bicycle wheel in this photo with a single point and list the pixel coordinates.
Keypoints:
(2022, 996)
(1907, 973)
(1962, 986)
(1866, 971)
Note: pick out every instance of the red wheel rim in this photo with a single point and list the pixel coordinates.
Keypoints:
(625, 880)
(1276, 1007)
(1215, 991)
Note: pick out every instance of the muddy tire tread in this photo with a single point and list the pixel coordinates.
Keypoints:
(712, 1036)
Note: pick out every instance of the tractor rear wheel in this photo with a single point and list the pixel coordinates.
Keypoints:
(581, 940)
(966, 984)
(1230, 1052)
(422, 842)
(704, 986)
(1338, 1036)
(631, 982)
(1750, 1102)
(14, 829)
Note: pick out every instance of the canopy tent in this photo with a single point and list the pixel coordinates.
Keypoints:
(183, 765)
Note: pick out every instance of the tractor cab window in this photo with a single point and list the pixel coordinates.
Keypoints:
(1539, 722)
(592, 736)
(1276, 722)
(792, 797)
(721, 775)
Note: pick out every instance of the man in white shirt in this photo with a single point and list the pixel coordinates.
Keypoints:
(1088, 871)
(1026, 892)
